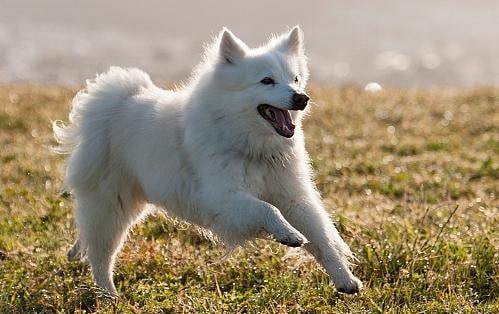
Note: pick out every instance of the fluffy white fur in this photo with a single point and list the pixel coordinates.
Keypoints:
(202, 152)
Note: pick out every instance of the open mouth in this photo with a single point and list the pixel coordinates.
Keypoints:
(279, 119)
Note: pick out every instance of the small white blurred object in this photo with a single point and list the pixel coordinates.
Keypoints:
(373, 87)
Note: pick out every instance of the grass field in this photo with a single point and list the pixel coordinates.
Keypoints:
(411, 176)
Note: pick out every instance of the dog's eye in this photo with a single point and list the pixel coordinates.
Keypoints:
(296, 79)
(267, 81)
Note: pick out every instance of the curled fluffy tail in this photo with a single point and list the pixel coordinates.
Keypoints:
(87, 137)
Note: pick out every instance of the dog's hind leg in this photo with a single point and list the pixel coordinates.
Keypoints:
(103, 221)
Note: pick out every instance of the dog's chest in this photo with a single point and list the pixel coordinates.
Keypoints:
(262, 179)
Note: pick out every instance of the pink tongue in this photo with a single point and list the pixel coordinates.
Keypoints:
(283, 120)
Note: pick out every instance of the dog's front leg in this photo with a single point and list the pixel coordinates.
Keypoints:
(239, 217)
(325, 244)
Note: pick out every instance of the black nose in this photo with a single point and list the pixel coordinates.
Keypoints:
(300, 101)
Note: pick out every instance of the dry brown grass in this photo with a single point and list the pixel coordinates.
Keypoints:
(411, 175)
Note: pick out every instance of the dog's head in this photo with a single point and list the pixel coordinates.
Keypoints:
(264, 86)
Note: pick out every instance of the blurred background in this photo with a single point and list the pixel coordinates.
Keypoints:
(392, 42)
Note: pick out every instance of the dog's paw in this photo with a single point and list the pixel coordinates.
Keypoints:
(350, 286)
(293, 239)
(283, 232)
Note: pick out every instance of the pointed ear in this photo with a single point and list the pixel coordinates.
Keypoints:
(231, 48)
(292, 42)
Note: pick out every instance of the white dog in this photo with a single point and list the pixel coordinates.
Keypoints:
(224, 152)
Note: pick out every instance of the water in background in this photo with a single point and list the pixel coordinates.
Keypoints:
(393, 42)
